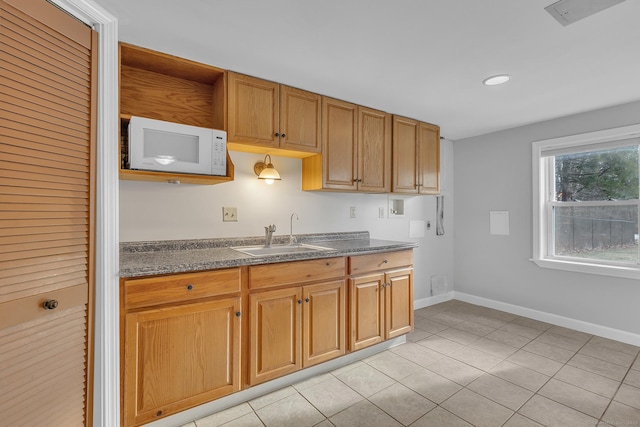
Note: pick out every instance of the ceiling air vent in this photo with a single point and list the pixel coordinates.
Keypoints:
(569, 11)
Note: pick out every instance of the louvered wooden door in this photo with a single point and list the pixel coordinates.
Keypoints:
(47, 100)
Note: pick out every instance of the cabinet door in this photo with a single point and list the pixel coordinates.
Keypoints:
(180, 357)
(300, 120)
(275, 334)
(339, 144)
(398, 311)
(405, 155)
(374, 150)
(366, 309)
(429, 158)
(253, 111)
(323, 322)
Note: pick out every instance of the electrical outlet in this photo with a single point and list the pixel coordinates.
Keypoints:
(428, 225)
(230, 214)
(352, 212)
(381, 212)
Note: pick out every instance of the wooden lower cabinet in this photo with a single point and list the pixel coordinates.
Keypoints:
(381, 297)
(294, 328)
(179, 357)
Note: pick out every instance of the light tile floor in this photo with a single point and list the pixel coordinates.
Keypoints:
(465, 365)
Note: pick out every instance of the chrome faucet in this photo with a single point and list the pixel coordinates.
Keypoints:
(292, 240)
(268, 234)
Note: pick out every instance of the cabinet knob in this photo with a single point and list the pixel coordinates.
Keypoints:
(383, 285)
(385, 261)
(389, 284)
(237, 314)
(327, 264)
(283, 135)
(299, 301)
(277, 134)
(189, 287)
(50, 304)
(307, 300)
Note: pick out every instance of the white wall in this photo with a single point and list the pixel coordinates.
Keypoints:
(493, 172)
(159, 211)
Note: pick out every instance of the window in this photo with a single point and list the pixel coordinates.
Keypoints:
(586, 202)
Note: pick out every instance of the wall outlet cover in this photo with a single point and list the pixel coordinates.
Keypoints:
(230, 214)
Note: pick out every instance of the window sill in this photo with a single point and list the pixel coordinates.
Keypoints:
(589, 268)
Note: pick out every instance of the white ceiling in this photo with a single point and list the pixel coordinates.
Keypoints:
(424, 59)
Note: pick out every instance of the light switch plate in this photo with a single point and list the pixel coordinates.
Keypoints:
(230, 214)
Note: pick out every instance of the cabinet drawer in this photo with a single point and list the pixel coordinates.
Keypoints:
(180, 287)
(295, 273)
(380, 261)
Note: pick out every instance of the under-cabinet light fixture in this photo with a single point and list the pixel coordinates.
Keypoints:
(266, 171)
(498, 79)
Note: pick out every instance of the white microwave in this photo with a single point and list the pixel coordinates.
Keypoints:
(156, 145)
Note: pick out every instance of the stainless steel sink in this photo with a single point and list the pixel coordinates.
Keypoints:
(280, 249)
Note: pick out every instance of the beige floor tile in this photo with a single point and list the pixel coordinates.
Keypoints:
(500, 391)
(502, 315)
(633, 378)
(519, 375)
(494, 348)
(249, 420)
(531, 323)
(458, 335)
(587, 380)
(331, 397)
(440, 418)
(475, 328)
(560, 341)
(417, 354)
(225, 416)
(608, 354)
(619, 414)
(440, 344)
(546, 350)
(268, 399)
(519, 421)
(417, 335)
(365, 380)
(575, 397)
(476, 358)
(432, 386)
(292, 411)
(487, 320)
(523, 331)
(636, 365)
(429, 311)
(191, 424)
(448, 318)
(455, 370)
(325, 423)
(402, 403)
(598, 366)
(508, 338)
(395, 366)
(429, 325)
(313, 381)
(570, 333)
(476, 409)
(615, 345)
(537, 363)
(347, 368)
(363, 414)
(628, 395)
(553, 414)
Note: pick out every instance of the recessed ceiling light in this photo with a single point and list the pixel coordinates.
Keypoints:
(496, 80)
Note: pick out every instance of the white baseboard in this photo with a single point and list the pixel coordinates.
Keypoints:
(437, 299)
(554, 319)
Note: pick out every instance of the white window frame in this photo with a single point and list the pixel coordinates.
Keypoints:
(543, 182)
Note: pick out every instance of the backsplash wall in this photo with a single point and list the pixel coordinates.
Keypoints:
(159, 211)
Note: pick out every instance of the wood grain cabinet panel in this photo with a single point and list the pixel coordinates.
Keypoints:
(266, 117)
(323, 320)
(416, 157)
(356, 150)
(179, 357)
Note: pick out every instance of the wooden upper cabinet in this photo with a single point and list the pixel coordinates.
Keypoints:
(374, 150)
(356, 150)
(272, 116)
(416, 157)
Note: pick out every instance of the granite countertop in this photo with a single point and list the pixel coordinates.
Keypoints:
(180, 256)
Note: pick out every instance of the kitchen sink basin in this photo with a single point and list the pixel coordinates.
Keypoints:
(280, 249)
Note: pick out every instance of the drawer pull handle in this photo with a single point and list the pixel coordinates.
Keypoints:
(189, 287)
(50, 304)
(307, 300)
(237, 314)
